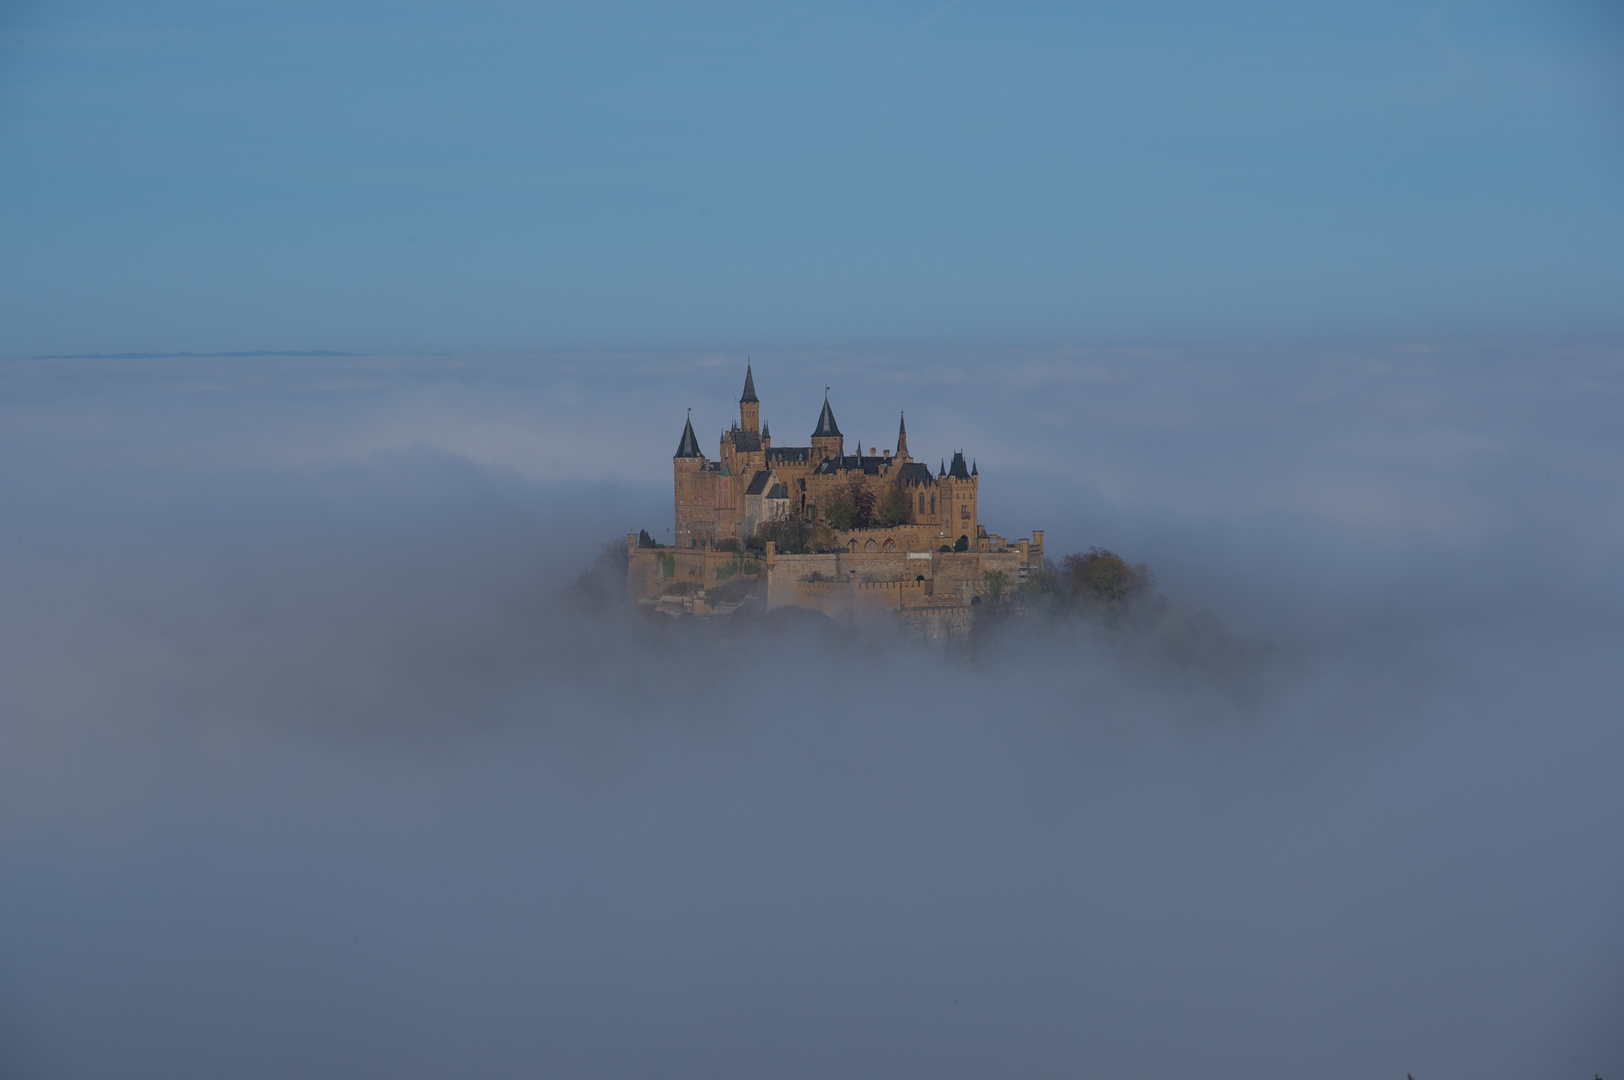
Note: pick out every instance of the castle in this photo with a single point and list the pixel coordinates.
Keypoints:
(815, 527)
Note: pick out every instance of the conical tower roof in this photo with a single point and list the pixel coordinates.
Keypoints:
(689, 446)
(902, 435)
(826, 421)
(749, 386)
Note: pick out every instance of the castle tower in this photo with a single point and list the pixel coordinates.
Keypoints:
(959, 490)
(902, 440)
(688, 482)
(749, 404)
(827, 442)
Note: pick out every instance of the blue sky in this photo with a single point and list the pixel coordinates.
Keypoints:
(493, 176)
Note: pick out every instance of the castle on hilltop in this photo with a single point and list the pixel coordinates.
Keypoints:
(816, 527)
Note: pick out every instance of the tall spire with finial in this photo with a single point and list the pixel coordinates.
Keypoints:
(749, 404)
(902, 437)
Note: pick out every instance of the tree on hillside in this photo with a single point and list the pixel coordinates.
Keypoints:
(1099, 576)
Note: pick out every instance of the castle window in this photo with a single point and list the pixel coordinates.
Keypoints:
(933, 504)
(921, 502)
(964, 511)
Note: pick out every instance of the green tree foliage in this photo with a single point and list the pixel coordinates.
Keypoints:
(962, 543)
(896, 508)
(727, 544)
(1041, 589)
(644, 540)
(793, 535)
(1099, 576)
(997, 584)
(668, 566)
(841, 513)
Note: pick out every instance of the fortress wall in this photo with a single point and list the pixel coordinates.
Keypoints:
(692, 568)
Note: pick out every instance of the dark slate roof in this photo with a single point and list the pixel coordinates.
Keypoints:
(758, 483)
(826, 422)
(789, 454)
(869, 465)
(766, 432)
(689, 446)
(746, 440)
(749, 386)
(973, 468)
(779, 491)
(915, 473)
(959, 471)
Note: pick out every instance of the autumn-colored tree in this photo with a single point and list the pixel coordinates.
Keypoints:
(863, 501)
(1099, 576)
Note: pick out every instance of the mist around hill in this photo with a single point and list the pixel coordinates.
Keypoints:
(315, 759)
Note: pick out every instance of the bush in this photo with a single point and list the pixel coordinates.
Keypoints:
(962, 544)
(728, 544)
(644, 540)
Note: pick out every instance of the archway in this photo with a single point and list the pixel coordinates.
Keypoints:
(870, 546)
(890, 546)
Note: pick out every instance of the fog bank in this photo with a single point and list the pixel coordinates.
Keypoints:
(312, 763)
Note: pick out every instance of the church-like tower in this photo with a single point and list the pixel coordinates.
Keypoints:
(749, 404)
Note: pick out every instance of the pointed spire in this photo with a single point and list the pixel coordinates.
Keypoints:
(944, 468)
(902, 436)
(689, 446)
(826, 419)
(973, 467)
(766, 432)
(749, 385)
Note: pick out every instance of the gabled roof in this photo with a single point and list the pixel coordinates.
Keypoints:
(758, 482)
(826, 423)
(689, 446)
(778, 491)
(749, 386)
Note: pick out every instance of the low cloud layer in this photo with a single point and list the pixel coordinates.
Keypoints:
(311, 762)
